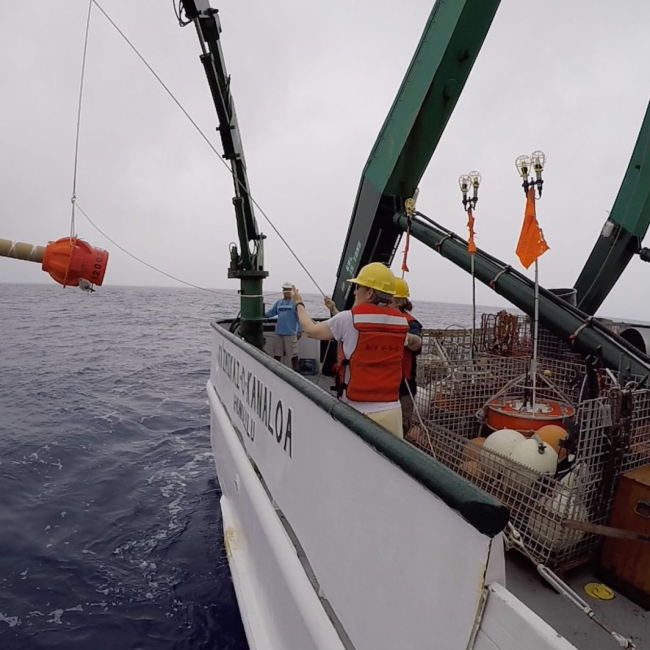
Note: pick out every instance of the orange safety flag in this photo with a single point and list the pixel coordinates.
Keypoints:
(531, 240)
(471, 246)
(405, 268)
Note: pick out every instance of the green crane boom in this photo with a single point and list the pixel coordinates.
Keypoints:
(451, 41)
(247, 262)
(624, 230)
(437, 74)
(435, 78)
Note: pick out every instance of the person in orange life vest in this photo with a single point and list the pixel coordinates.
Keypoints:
(408, 386)
(372, 336)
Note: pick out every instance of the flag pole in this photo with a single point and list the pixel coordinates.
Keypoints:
(473, 304)
(466, 182)
(531, 242)
(533, 364)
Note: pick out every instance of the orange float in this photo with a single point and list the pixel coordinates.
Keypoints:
(472, 469)
(472, 451)
(69, 260)
(515, 414)
(552, 435)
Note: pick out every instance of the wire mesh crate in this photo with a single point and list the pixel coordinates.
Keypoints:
(506, 334)
(637, 451)
(453, 395)
(538, 503)
(454, 388)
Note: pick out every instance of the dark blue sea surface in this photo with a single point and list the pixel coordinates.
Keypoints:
(110, 527)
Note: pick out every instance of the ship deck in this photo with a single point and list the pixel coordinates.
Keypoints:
(522, 579)
(619, 614)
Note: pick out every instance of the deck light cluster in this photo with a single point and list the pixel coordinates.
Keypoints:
(470, 182)
(529, 165)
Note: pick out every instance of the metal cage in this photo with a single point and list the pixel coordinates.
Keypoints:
(455, 383)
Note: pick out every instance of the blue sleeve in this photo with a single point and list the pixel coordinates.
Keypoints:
(273, 311)
(415, 328)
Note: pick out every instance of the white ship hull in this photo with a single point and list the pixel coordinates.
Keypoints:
(332, 544)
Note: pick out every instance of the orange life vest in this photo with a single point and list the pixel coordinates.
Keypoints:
(375, 366)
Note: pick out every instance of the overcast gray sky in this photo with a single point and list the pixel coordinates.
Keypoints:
(313, 83)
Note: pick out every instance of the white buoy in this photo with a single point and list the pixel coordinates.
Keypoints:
(544, 523)
(535, 454)
(503, 441)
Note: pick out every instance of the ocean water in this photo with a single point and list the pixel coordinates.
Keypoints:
(110, 528)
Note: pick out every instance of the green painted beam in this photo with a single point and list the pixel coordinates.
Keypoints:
(449, 45)
(442, 62)
(488, 515)
(585, 335)
(624, 229)
(246, 265)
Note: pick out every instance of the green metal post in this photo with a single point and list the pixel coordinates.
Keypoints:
(247, 262)
(252, 308)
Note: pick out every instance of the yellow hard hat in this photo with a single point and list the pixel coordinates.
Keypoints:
(401, 288)
(376, 276)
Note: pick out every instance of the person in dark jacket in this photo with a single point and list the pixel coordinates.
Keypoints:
(408, 386)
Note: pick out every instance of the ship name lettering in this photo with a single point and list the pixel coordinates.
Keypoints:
(253, 398)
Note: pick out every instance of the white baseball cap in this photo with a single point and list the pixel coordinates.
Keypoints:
(287, 286)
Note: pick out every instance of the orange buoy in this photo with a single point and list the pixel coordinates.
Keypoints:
(553, 434)
(513, 413)
(69, 260)
(472, 451)
(472, 469)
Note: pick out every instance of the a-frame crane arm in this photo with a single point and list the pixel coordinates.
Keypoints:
(624, 230)
(435, 78)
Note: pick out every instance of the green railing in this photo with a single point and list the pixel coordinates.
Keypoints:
(488, 515)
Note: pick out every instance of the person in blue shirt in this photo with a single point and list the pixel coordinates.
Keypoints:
(287, 328)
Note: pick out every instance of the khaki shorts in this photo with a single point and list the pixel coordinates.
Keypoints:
(285, 345)
(390, 419)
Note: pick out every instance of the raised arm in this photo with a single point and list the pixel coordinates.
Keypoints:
(269, 313)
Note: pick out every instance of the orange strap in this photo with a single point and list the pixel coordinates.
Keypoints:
(405, 267)
(471, 246)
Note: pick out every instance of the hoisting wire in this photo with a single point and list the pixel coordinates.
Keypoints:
(73, 199)
(215, 151)
(423, 426)
(169, 275)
